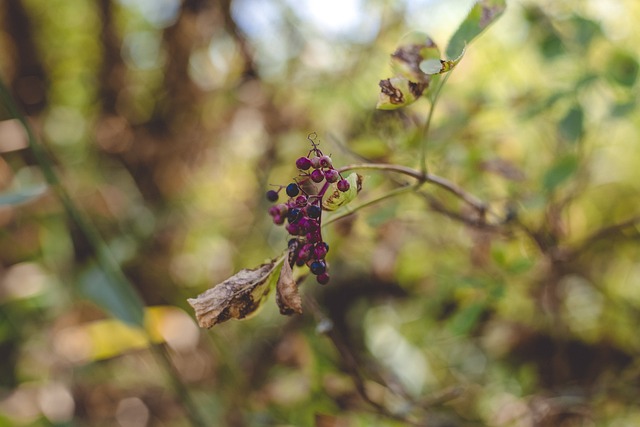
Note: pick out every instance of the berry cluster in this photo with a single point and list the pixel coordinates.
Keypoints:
(303, 209)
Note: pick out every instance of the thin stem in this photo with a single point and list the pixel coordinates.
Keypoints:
(420, 176)
(456, 190)
(423, 177)
(427, 123)
(390, 194)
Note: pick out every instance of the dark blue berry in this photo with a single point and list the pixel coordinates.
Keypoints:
(314, 211)
(293, 215)
(318, 267)
(272, 195)
(293, 190)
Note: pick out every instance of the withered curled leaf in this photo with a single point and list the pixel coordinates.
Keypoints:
(287, 296)
(237, 297)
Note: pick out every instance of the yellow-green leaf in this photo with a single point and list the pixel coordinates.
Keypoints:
(336, 198)
(483, 14)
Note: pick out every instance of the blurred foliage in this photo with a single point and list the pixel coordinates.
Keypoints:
(167, 120)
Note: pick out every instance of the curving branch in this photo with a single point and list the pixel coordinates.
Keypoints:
(424, 178)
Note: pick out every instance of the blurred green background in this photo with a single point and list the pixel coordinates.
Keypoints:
(166, 121)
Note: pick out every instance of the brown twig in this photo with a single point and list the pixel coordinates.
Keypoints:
(422, 177)
(606, 232)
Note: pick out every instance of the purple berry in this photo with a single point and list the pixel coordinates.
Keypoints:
(293, 229)
(304, 224)
(325, 162)
(303, 163)
(318, 267)
(317, 176)
(314, 211)
(343, 185)
(315, 162)
(332, 175)
(313, 237)
(293, 190)
(300, 262)
(301, 201)
(323, 278)
(274, 210)
(278, 219)
(305, 252)
(272, 195)
(312, 225)
(320, 250)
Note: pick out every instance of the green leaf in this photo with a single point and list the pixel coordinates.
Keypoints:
(571, 127)
(622, 109)
(623, 69)
(483, 14)
(24, 195)
(562, 170)
(585, 30)
(113, 295)
(466, 318)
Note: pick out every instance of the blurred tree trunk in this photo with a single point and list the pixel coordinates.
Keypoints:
(28, 78)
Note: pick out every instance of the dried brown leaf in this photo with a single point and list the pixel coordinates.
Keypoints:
(237, 297)
(287, 296)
